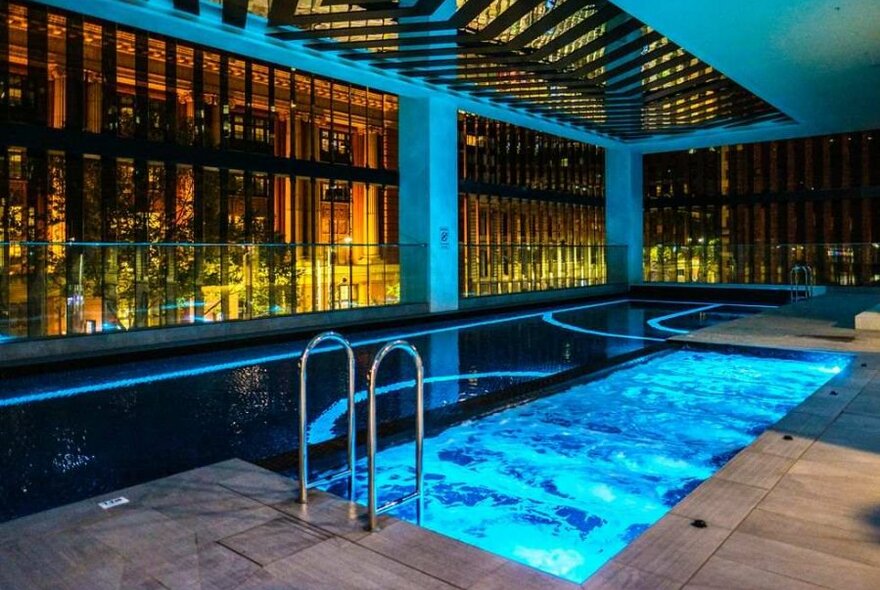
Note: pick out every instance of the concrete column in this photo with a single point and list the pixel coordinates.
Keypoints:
(623, 213)
(429, 201)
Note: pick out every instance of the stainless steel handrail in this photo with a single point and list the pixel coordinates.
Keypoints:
(805, 271)
(304, 484)
(794, 281)
(374, 508)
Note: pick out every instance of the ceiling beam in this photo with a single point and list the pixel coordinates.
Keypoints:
(235, 12)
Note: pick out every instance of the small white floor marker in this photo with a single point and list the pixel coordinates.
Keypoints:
(106, 504)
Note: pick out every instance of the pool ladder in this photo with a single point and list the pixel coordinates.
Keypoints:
(372, 435)
(304, 485)
(375, 510)
(798, 273)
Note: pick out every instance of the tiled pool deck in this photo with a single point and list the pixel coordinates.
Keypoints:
(799, 509)
(234, 525)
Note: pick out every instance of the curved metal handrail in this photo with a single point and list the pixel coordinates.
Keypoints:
(794, 281)
(372, 426)
(798, 271)
(304, 485)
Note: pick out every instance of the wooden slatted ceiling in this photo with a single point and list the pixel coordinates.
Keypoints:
(584, 63)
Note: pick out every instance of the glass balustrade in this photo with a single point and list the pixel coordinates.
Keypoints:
(59, 289)
(498, 269)
(844, 264)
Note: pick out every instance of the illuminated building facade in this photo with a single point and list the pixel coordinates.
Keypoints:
(116, 135)
(181, 162)
(532, 209)
(747, 213)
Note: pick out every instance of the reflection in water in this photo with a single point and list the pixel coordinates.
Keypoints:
(129, 423)
(324, 427)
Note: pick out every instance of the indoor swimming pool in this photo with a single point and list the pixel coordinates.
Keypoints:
(564, 482)
(75, 434)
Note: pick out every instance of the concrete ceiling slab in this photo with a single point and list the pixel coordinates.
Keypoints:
(818, 61)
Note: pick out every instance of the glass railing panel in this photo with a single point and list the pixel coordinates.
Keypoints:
(494, 269)
(842, 264)
(65, 289)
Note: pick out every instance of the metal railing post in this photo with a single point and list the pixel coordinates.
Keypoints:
(794, 282)
(810, 280)
(373, 501)
(303, 419)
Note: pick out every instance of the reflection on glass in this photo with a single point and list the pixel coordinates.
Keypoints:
(747, 213)
(66, 71)
(500, 269)
(531, 210)
(54, 289)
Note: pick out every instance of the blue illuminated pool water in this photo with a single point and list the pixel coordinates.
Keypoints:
(79, 433)
(566, 481)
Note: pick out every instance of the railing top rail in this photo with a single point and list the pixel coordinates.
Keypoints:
(217, 245)
(390, 347)
(325, 337)
(781, 245)
(533, 245)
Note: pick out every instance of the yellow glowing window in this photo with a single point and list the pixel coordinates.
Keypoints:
(15, 94)
(15, 165)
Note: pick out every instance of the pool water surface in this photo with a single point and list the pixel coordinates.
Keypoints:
(564, 482)
(78, 433)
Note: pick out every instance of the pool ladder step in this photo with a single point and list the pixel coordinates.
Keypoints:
(375, 510)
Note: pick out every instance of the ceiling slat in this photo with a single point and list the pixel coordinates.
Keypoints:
(190, 6)
(574, 61)
(235, 12)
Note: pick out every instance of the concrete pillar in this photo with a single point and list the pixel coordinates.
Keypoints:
(623, 214)
(429, 201)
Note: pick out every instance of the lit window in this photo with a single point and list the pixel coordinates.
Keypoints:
(15, 93)
(16, 169)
